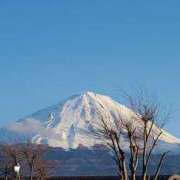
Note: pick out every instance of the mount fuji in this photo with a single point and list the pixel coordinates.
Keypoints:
(70, 124)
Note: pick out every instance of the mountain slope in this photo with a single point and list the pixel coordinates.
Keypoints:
(70, 124)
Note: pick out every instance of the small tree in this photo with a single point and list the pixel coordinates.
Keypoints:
(5, 169)
(33, 156)
(30, 156)
(10, 156)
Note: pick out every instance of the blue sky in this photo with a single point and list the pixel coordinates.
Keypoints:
(50, 50)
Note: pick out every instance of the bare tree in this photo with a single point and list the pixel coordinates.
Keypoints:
(33, 156)
(111, 135)
(5, 169)
(32, 160)
(152, 118)
(142, 131)
(134, 149)
(44, 168)
(10, 156)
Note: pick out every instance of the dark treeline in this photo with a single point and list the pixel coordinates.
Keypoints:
(100, 178)
(92, 178)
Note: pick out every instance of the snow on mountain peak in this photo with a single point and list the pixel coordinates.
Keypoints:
(71, 123)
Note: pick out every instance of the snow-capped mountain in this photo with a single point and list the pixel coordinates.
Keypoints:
(71, 123)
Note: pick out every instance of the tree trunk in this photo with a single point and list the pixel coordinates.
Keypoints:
(6, 177)
(31, 173)
(125, 173)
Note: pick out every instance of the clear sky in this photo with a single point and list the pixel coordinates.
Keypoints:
(50, 50)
